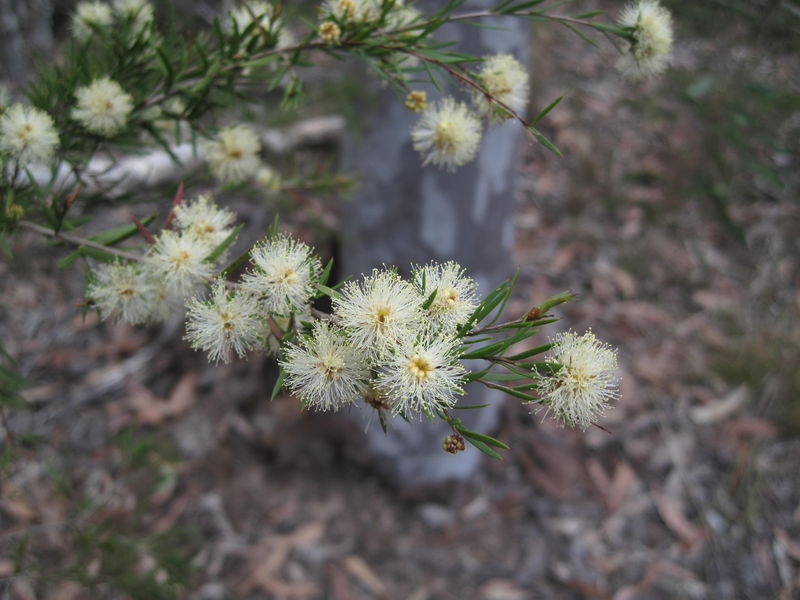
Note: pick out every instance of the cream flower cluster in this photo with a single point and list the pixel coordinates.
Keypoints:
(351, 11)
(284, 275)
(232, 155)
(448, 134)
(583, 380)
(388, 338)
(92, 15)
(339, 15)
(650, 54)
(229, 320)
(506, 80)
(262, 15)
(171, 270)
(27, 135)
(274, 295)
(103, 107)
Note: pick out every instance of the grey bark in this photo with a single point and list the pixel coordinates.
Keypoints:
(404, 213)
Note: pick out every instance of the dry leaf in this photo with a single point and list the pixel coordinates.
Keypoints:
(359, 569)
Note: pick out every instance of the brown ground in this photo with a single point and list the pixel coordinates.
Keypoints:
(693, 494)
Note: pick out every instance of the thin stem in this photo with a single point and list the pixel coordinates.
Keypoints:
(77, 240)
(491, 328)
(9, 434)
(472, 83)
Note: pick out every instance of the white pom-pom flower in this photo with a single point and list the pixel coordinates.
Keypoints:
(350, 11)
(325, 370)
(455, 293)
(232, 155)
(422, 375)
(125, 291)
(261, 14)
(181, 261)
(506, 80)
(447, 135)
(585, 381)
(103, 107)
(284, 275)
(88, 16)
(226, 321)
(27, 134)
(649, 55)
(140, 12)
(379, 311)
(205, 220)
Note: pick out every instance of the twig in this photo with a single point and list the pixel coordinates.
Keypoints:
(9, 434)
(77, 240)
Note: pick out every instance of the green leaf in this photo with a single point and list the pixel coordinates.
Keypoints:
(507, 295)
(278, 385)
(498, 348)
(217, 252)
(488, 450)
(486, 439)
(513, 392)
(504, 9)
(544, 141)
(589, 14)
(471, 406)
(531, 352)
(427, 304)
(325, 290)
(475, 375)
(326, 273)
(236, 262)
(87, 252)
(119, 234)
(549, 107)
(505, 376)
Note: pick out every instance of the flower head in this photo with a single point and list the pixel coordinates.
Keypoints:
(89, 16)
(233, 154)
(649, 55)
(269, 178)
(325, 370)
(379, 311)
(103, 107)
(350, 11)
(205, 220)
(455, 293)
(225, 321)
(422, 375)
(261, 14)
(124, 290)
(284, 274)
(506, 80)
(329, 32)
(416, 101)
(584, 380)
(181, 261)
(447, 135)
(139, 11)
(27, 134)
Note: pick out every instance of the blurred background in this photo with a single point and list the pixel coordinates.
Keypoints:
(138, 470)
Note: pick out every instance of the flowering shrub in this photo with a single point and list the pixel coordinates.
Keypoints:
(392, 344)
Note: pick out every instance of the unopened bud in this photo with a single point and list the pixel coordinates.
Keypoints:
(416, 101)
(329, 32)
(453, 444)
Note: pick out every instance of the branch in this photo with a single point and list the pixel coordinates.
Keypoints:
(77, 240)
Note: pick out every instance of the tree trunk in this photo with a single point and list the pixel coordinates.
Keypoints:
(26, 28)
(403, 213)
